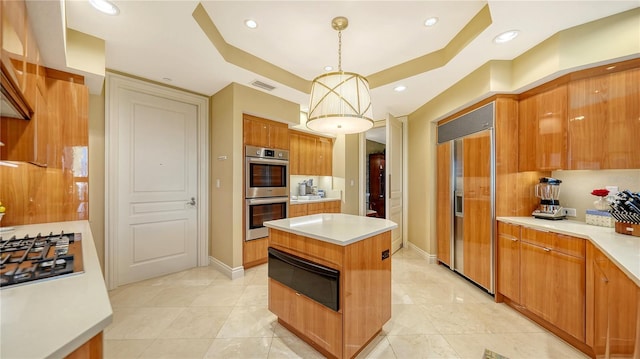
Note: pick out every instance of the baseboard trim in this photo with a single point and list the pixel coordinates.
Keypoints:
(232, 273)
(430, 258)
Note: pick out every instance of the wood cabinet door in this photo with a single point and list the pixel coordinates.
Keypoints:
(597, 302)
(623, 126)
(315, 208)
(332, 207)
(279, 136)
(324, 148)
(477, 222)
(567, 310)
(444, 203)
(535, 274)
(553, 284)
(255, 132)
(307, 163)
(294, 153)
(551, 140)
(542, 131)
(603, 121)
(297, 210)
(624, 314)
(508, 270)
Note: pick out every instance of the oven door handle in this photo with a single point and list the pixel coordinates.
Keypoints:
(267, 161)
(255, 201)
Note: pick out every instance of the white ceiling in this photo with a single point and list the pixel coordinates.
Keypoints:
(160, 40)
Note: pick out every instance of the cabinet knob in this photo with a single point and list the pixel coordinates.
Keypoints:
(547, 249)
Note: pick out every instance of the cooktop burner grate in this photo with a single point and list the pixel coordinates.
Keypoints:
(40, 257)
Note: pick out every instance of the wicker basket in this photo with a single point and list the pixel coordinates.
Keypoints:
(628, 228)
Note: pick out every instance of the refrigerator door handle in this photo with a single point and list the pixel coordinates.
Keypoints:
(459, 203)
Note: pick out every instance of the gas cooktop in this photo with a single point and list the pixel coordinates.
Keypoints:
(40, 257)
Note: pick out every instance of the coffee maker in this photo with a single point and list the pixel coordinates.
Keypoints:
(548, 190)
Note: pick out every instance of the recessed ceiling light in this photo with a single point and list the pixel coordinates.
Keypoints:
(252, 24)
(399, 88)
(431, 21)
(506, 36)
(105, 6)
(328, 68)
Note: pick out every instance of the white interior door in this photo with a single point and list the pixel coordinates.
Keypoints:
(394, 182)
(157, 185)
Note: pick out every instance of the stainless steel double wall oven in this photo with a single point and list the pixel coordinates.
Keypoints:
(266, 188)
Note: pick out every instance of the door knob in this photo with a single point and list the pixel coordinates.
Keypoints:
(192, 202)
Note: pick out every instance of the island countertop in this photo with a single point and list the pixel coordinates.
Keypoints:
(337, 228)
(623, 250)
(62, 313)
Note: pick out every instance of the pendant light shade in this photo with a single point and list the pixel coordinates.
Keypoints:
(340, 102)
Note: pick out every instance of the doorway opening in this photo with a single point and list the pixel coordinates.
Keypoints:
(375, 172)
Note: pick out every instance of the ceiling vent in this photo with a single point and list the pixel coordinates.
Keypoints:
(262, 85)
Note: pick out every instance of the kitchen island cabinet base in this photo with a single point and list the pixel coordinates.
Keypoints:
(365, 293)
(92, 349)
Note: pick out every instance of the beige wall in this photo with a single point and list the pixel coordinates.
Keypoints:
(606, 40)
(96, 173)
(226, 205)
(352, 158)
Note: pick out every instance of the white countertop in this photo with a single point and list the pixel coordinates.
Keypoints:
(623, 250)
(337, 228)
(303, 201)
(51, 318)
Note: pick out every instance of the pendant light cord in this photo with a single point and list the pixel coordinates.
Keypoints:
(339, 50)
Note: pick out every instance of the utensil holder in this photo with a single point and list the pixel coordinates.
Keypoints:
(628, 228)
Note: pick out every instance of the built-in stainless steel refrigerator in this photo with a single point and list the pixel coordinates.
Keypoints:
(472, 176)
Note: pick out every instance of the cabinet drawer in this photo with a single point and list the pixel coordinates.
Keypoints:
(318, 323)
(568, 245)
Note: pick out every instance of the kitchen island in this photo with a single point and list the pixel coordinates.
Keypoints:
(330, 279)
(61, 316)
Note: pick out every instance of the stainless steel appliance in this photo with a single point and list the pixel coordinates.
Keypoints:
(548, 190)
(472, 196)
(260, 210)
(266, 172)
(266, 189)
(40, 257)
(314, 280)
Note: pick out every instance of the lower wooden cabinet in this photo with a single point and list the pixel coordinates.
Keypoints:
(508, 266)
(307, 317)
(552, 266)
(304, 209)
(254, 252)
(542, 275)
(613, 308)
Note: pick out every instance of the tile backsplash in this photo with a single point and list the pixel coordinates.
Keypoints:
(576, 187)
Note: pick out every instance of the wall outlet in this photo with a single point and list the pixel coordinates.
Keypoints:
(570, 212)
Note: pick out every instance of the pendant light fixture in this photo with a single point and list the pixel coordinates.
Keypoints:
(340, 102)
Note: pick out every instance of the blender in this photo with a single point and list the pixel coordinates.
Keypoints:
(548, 190)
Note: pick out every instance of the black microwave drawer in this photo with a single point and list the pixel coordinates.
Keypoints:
(315, 281)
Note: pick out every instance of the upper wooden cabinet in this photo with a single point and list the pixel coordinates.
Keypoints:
(310, 155)
(542, 131)
(265, 133)
(603, 124)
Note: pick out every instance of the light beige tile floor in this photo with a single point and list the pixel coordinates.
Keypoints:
(200, 313)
